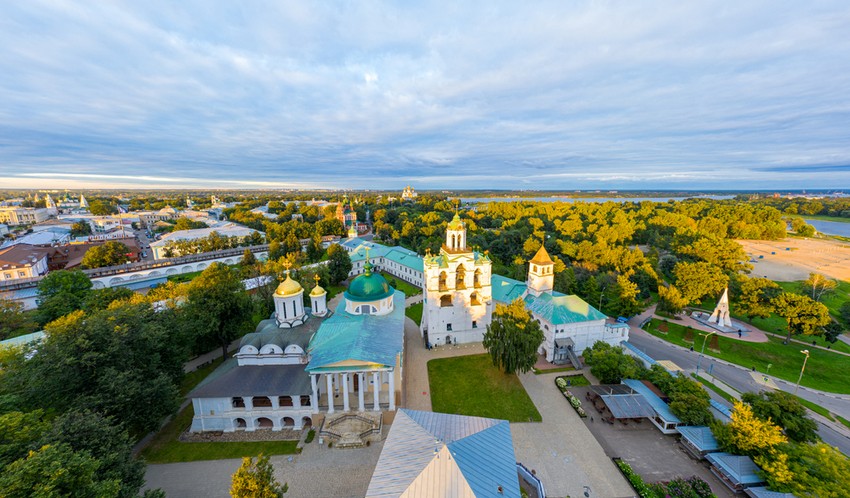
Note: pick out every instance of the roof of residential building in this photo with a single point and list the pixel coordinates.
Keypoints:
(21, 255)
(436, 454)
(226, 230)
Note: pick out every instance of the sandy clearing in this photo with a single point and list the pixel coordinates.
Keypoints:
(828, 257)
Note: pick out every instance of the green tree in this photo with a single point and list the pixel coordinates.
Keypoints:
(670, 300)
(14, 321)
(803, 314)
(512, 338)
(86, 431)
(18, 432)
(255, 479)
(755, 295)
(689, 401)
(248, 258)
(56, 471)
(746, 434)
(802, 228)
(184, 223)
(111, 253)
(218, 307)
(610, 364)
(815, 470)
(60, 293)
(102, 208)
(817, 286)
(80, 228)
(100, 299)
(315, 249)
(697, 280)
(339, 264)
(786, 411)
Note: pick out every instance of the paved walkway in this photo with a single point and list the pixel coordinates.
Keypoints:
(318, 472)
(561, 449)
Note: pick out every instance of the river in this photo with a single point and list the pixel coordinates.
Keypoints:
(831, 227)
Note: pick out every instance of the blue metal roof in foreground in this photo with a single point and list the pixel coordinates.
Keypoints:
(739, 469)
(435, 454)
(763, 492)
(661, 408)
(367, 338)
(700, 436)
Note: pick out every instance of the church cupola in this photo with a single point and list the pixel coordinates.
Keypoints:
(289, 303)
(541, 273)
(318, 298)
(456, 235)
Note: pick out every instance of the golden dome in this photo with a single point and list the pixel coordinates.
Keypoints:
(318, 291)
(288, 287)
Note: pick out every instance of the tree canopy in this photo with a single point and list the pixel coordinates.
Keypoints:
(512, 338)
(803, 314)
(255, 479)
(111, 253)
(610, 364)
(218, 308)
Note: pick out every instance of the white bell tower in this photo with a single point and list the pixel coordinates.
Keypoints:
(456, 235)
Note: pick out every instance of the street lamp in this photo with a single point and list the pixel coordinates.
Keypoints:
(703, 348)
(805, 352)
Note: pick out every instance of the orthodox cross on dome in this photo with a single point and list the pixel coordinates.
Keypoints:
(367, 267)
(316, 277)
(287, 265)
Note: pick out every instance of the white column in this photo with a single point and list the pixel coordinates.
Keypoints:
(345, 406)
(330, 392)
(360, 379)
(314, 401)
(275, 402)
(376, 385)
(392, 389)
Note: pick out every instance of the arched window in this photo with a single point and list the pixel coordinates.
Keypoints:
(237, 403)
(261, 402)
(442, 281)
(240, 424)
(288, 422)
(265, 423)
(445, 300)
(305, 400)
(473, 299)
(476, 279)
(285, 400)
(460, 278)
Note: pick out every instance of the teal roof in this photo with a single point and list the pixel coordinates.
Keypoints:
(368, 338)
(22, 340)
(397, 254)
(368, 287)
(556, 308)
(505, 289)
(405, 257)
(560, 309)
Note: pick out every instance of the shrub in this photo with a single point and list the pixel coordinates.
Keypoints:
(575, 402)
(310, 435)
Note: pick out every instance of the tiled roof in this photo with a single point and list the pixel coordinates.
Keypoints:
(369, 338)
(435, 454)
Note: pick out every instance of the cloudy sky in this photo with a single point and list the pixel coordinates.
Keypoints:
(365, 94)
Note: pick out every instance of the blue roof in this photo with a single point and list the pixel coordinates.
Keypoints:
(661, 408)
(367, 338)
(480, 448)
(739, 469)
(763, 492)
(700, 436)
(640, 354)
(722, 409)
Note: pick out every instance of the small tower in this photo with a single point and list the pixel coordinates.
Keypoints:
(541, 273)
(289, 303)
(84, 204)
(51, 206)
(318, 297)
(456, 235)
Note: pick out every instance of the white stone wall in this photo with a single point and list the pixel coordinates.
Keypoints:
(218, 414)
(468, 321)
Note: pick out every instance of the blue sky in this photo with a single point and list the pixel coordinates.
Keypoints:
(365, 94)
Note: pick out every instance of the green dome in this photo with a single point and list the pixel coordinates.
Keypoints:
(368, 287)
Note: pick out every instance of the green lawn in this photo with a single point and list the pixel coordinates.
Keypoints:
(408, 289)
(414, 312)
(471, 385)
(825, 370)
(165, 448)
(553, 370)
(575, 380)
(184, 277)
(720, 392)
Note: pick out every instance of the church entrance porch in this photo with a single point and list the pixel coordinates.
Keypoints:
(352, 429)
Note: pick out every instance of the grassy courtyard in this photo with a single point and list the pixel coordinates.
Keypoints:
(165, 448)
(414, 312)
(825, 370)
(471, 385)
(408, 289)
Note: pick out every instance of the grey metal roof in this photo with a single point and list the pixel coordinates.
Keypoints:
(628, 406)
(661, 408)
(269, 333)
(435, 454)
(230, 380)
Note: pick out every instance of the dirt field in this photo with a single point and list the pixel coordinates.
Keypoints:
(827, 257)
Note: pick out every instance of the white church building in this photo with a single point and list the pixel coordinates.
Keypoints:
(460, 292)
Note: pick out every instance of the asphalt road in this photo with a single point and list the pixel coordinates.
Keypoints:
(740, 379)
